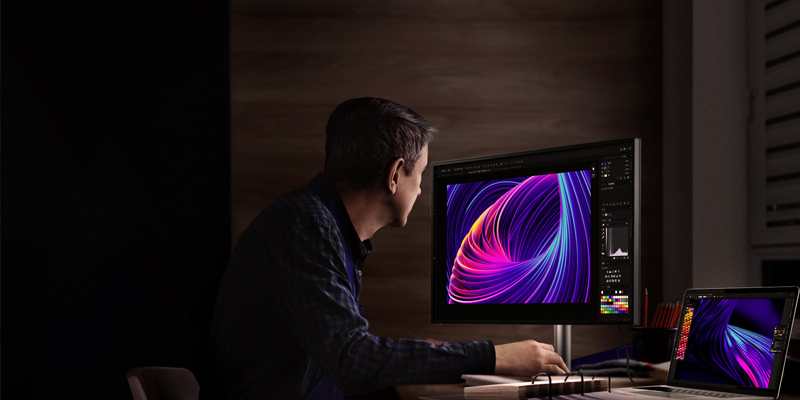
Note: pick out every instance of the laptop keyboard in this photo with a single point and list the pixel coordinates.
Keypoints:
(696, 392)
(707, 394)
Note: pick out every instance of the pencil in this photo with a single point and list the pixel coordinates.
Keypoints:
(663, 320)
(677, 317)
(654, 322)
(674, 320)
(657, 315)
(672, 309)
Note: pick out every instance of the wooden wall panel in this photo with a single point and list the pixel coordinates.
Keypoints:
(493, 77)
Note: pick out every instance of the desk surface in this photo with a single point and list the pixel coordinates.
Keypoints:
(456, 391)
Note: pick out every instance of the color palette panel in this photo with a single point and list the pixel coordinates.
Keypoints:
(613, 304)
(685, 328)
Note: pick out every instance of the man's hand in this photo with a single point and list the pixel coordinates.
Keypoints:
(527, 358)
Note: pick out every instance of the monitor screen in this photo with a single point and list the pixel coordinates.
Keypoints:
(541, 237)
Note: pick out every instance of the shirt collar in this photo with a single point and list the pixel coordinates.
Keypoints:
(330, 196)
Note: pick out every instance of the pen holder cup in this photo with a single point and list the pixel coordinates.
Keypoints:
(653, 345)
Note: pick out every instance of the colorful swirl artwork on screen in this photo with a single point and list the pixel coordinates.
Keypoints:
(520, 240)
(729, 342)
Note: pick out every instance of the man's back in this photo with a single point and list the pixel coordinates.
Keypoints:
(255, 352)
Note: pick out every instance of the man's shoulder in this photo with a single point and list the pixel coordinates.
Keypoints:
(302, 206)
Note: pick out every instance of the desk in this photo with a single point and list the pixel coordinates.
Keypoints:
(456, 391)
(790, 391)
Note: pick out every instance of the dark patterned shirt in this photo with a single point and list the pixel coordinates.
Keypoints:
(287, 317)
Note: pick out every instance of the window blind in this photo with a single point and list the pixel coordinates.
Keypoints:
(782, 113)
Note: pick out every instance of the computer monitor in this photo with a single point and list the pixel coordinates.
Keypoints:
(540, 237)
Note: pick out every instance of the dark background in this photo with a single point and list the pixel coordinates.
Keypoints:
(115, 189)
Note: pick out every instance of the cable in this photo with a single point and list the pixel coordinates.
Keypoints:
(627, 359)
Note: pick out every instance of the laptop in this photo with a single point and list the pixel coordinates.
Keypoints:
(730, 343)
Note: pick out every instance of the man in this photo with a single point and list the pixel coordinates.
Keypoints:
(287, 323)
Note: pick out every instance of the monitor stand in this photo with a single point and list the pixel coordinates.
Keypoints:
(562, 336)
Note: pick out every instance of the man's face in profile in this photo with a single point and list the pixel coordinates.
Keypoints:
(408, 189)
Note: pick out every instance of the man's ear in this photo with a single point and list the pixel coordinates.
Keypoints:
(393, 178)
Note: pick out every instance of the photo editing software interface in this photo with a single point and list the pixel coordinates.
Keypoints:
(541, 237)
(736, 339)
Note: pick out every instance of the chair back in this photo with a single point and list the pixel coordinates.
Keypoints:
(163, 383)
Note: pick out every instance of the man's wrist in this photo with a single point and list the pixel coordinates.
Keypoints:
(481, 357)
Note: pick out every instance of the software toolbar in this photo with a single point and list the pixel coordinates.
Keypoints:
(616, 235)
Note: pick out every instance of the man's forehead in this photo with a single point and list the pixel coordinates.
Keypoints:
(424, 157)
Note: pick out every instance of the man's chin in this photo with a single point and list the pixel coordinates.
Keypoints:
(399, 224)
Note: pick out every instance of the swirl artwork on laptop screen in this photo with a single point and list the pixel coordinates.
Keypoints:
(520, 240)
(730, 342)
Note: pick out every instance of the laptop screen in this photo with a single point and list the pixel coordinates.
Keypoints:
(733, 339)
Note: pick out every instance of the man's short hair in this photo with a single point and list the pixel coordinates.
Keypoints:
(366, 135)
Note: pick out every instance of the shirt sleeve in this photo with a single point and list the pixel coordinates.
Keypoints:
(312, 289)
